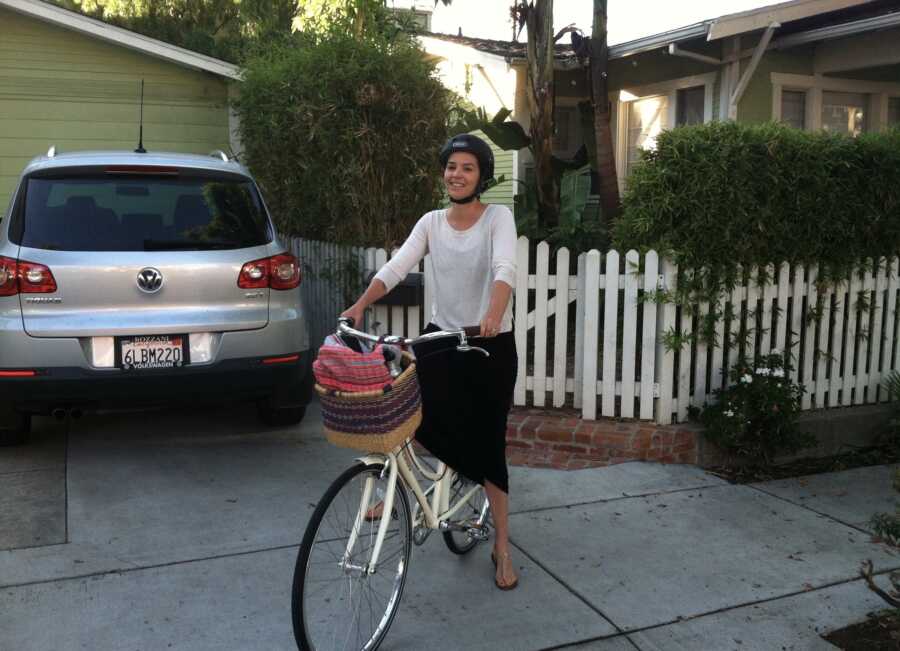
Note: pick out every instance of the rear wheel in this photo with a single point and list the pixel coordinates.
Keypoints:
(14, 426)
(335, 602)
(460, 542)
(280, 416)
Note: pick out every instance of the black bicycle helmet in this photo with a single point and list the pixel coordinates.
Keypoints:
(483, 153)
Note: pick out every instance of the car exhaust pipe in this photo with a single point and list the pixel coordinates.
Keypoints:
(59, 413)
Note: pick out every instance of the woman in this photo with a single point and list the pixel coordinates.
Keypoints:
(465, 397)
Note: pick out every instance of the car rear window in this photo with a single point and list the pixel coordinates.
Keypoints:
(136, 212)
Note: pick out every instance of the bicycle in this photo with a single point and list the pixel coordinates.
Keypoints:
(353, 561)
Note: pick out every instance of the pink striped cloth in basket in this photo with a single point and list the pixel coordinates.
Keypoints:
(341, 368)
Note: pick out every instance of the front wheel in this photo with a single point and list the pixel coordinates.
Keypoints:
(335, 602)
(459, 542)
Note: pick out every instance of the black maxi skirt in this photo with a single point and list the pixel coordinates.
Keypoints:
(466, 399)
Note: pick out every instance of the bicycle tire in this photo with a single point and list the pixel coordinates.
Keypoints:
(459, 542)
(323, 608)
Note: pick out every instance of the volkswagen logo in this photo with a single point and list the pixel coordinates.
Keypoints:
(149, 280)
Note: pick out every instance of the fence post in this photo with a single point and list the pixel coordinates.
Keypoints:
(561, 327)
(665, 358)
(648, 340)
(629, 332)
(541, 287)
(610, 333)
(591, 335)
(580, 285)
(521, 319)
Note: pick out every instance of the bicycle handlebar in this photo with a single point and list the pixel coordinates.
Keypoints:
(345, 327)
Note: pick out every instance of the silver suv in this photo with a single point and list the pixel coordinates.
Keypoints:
(143, 278)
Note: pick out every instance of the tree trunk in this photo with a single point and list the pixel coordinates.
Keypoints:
(539, 19)
(606, 161)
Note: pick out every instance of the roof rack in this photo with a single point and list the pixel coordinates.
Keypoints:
(51, 152)
(218, 153)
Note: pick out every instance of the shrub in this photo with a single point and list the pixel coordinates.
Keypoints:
(755, 418)
(721, 194)
(342, 133)
(887, 525)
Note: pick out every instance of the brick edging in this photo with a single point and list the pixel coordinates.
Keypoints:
(559, 438)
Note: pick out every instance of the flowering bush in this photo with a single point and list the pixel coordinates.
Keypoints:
(756, 416)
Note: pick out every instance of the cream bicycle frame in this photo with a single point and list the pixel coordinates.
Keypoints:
(437, 512)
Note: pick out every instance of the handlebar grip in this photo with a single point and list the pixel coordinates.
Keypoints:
(472, 331)
(349, 320)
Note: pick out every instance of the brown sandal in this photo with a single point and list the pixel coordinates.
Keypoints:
(497, 583)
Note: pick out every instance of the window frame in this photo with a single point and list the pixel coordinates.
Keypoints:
(814, 86)
(670, 88)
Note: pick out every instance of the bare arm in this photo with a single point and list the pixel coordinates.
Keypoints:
(374, 291)
(500, 295)
(414, 249)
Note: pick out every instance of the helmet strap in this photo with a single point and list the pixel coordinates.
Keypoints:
(468, 199)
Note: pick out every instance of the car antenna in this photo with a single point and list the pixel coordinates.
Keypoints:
(140, 148)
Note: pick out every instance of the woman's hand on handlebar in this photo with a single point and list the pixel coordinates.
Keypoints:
(356, 313)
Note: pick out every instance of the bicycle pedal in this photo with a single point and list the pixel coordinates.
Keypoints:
(478, 532)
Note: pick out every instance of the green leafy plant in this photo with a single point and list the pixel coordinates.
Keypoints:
(756, 417)
(578, 230)
(326, 123)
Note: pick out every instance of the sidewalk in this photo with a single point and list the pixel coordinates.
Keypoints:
(179, 530)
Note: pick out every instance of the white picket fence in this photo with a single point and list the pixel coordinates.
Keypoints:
(592, 339)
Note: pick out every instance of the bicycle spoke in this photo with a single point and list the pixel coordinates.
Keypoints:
(338, 604)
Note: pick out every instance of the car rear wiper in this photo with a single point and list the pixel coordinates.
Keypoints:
(200, 245)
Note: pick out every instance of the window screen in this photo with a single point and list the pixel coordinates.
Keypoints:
(689, 103)
(793, 108)
(844, 112)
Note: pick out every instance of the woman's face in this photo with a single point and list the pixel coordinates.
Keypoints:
(461, 175)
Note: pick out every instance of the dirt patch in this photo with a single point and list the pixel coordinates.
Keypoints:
(880, 632)
(858, 458)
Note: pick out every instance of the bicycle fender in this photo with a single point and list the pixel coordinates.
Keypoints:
(371, 459)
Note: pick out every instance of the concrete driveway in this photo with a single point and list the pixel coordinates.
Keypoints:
(177, 529)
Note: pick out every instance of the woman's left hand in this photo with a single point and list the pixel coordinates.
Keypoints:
(490, 326)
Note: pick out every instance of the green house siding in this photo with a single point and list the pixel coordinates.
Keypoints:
(503, 166)
(58, 87)
(756, 104)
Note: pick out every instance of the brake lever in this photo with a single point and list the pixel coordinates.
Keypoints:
(465, 348)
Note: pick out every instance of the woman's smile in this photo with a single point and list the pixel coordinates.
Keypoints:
(461, 175)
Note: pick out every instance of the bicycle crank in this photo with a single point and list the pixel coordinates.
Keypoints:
(472, 529)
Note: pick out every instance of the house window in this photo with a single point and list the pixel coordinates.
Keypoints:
(893, 117)
(690, 104)
(844, 112)
(647, 118)
(793, 108)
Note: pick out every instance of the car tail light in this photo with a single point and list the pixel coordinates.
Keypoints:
(278, 272)
(22, 277)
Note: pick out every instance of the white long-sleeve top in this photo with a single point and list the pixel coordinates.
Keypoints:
(464, 264)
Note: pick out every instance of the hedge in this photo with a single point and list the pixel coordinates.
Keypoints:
(721, 194)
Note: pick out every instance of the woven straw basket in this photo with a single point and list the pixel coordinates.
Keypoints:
(374, 421)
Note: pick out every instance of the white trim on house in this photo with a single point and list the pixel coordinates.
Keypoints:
(754, 19)
(878, 91)
(110, 33)
(669, 88)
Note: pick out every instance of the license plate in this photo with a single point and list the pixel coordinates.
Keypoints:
(152, 351)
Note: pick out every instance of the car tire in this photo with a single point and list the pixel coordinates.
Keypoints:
(14, 429)
(280, 416)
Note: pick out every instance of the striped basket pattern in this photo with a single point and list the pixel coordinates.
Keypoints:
(374, 421)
